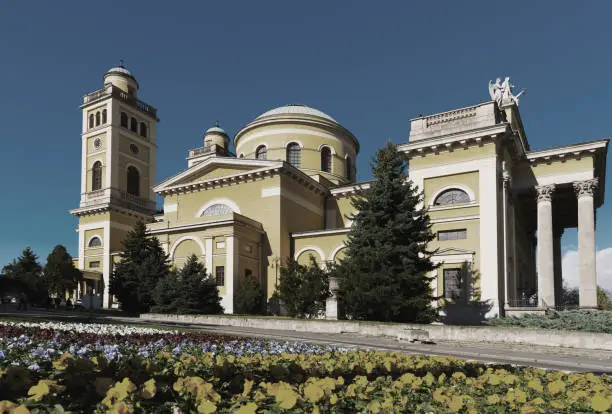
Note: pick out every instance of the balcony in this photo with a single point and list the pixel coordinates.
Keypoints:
(119, 198)
(110, 90)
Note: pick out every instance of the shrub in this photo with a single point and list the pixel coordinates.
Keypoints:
(304, 289)
(249, 297)
(576, 320)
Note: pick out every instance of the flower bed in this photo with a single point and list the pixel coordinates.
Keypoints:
(81, 369)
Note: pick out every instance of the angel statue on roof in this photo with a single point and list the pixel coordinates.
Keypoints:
(501, 92)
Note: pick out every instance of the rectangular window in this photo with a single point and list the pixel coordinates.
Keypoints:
(452, 234)
(94, 264)
(220, 275)
(248, 272)
(221, 245)
(453, 285)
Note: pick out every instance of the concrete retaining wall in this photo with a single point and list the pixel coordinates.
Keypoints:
(571, 339)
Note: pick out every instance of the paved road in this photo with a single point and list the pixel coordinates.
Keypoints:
(566, 359)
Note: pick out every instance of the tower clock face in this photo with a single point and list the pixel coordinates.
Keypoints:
(133, 148)
(97, 143)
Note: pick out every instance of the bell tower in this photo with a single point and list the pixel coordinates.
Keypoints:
(117, 176)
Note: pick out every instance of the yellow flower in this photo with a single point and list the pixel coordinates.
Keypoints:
(600, 404)
(250, 408)
(458, 376)
(259, 396)
(313, 393)
(207, 407)
(286, 397)
(456, 403)
(148, 389)
(63, 362)
(248, 386)
(493, 399)
(556, 387)
(6, 406)
(527, 409)
(333, 399)
(39, 391)
(535, 385)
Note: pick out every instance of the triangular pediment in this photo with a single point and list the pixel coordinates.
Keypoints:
(449, 251)
(214, 168)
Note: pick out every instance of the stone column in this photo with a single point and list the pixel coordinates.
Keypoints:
(331, 305)
(231, 251)
(546, 283)
(586, 243)
(557, 265)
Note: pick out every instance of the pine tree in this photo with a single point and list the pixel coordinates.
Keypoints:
(198, 293)
(60, 273)
(166, 295)
(143, 263)
(26, 274)
(304, 289)
(384, 275)
(249, 298)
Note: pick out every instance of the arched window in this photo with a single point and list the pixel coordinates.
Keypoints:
(217, 210)
(104, 116)
(349, 168)
(294, 156)
(143, 129)
(452, 196)
(261, 153)
(95, 242)
(97, 118)
(133, 181)
(91, 120)
(124, 120)
(96, 176)
(134, 125)
(326, 159)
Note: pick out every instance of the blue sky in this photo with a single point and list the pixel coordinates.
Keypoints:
(370, 65)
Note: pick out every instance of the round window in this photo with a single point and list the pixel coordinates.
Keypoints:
(134, 148)
(97, 143)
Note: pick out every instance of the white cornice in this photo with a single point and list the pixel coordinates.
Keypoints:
(452, 141)
(568, 151)
(349, 189)
(208, 224)
(328, 232)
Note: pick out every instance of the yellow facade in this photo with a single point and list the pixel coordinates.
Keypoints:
(288, 191)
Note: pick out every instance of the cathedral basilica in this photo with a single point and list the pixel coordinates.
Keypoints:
(498, 209)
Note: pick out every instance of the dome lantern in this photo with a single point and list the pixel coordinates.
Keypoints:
(122, 78)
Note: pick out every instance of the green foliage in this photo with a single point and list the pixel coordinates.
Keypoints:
(197, 292)
(166, 294)
(303, 289)
(384, 276)
(576, 320)
(603, 299)
(249, 298)
(60, 274)
(143, 263)
(25, 273)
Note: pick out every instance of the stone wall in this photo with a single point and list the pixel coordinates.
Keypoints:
(570, 339)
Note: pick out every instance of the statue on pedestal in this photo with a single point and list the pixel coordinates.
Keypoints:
(501, 92)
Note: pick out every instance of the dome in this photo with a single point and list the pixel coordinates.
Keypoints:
(217, 130)
(296, 109)
(120, 70)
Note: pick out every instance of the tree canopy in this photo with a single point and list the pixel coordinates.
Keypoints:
(60, 274)
(385, 273)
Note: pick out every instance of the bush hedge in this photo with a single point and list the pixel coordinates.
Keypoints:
(576, 320)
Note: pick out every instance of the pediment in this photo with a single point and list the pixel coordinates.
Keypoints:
(453, 251)
(213, 168)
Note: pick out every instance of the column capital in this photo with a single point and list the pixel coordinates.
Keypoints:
(586, 188)
(545, 192)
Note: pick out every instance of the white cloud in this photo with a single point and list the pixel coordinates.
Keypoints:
(604, 268)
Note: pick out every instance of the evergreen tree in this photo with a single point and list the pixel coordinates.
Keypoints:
(166, 295)
(143, 263)
(304, 289)
(249, 298)
(384, 274)
(60, 274)
(26, 275)
(198, 293)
